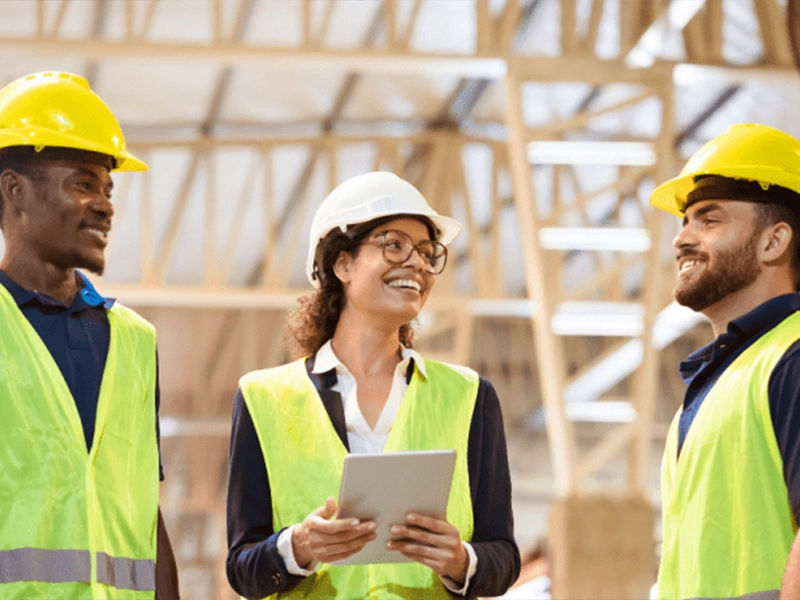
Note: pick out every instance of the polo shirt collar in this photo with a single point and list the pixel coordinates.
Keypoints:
(752, 324)
(87, 296)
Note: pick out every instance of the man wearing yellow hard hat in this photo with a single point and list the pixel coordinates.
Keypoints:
(79, 453)
(731, 469)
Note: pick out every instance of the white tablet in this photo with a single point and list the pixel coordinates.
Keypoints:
(385, 487)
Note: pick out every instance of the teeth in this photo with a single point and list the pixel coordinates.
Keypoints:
(97, 231)
(689, 264)
(405, 283)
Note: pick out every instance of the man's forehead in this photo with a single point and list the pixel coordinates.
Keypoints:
(727, 205)
(88, 167)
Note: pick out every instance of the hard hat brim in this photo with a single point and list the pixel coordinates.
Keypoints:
(125, 161)
(671, 196)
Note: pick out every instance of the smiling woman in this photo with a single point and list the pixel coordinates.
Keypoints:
(376, 247)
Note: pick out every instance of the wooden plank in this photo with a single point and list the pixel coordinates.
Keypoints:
(550, 359)
(772, 21)
(130, 24)
(306, 15)
(175, 218)
(405, 40)
(507, 25)
(647, 378)
(40, 19)
(216, 21)
(595, 18)
(242, 204)
(606, 449)
(389, 8)
(582, 118)
(569, 37)
(147, 243)
(210, 271)
(60, 13)
(694, 39)
(270, 223)
(319, 39)
(147, 23)
(495, 257)
(714, 18)
(483, 26)
(459, 185)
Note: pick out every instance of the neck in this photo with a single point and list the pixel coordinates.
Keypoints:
(733, 306)
(366, 350)
(59, 283)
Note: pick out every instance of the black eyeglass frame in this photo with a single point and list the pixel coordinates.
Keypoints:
(437, 246)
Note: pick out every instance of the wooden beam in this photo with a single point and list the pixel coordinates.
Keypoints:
(569, 37)
(404, 42)
(580, 119)
(550, 359)
(319, 39)
(174, 223)
(147, 23)
(595, 18)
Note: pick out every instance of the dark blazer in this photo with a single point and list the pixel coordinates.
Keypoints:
(256, 569)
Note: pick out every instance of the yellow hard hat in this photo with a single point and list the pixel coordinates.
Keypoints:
(746, 151)
(59, 110)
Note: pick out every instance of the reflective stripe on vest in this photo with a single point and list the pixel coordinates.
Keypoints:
(728, 524)
(304, 458)
(63, 507)
(126, 573)
(39, 564)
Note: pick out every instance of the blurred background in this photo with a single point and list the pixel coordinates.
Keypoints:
(541, 125)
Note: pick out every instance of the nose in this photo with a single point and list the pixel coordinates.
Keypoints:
(102, 204)
(684, 238)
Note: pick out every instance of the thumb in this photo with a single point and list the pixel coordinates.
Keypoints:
(327, 511)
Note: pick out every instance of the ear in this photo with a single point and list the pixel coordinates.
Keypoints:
(342, 266)
(11, 188)
(775, 242)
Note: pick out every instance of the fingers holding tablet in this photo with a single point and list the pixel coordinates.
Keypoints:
(321, 538)
(432, 542)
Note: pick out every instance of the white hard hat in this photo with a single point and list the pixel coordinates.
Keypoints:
(370, 196)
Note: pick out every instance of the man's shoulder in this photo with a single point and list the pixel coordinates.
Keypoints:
(130, 317)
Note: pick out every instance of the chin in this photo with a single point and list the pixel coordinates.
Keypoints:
(97, 267)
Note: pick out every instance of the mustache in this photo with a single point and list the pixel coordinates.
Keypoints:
(691, 253)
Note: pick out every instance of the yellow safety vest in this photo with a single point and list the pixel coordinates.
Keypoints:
(305, 457)
(728, 525)
(77, 524)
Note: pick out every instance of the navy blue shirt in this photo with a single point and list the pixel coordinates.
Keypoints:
(77, 337)
(703, 368)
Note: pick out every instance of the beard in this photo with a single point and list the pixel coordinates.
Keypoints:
(732, 271)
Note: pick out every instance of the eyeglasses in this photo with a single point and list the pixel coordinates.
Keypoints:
(398, 247)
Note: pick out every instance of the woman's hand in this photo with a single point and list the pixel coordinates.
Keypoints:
(320, 539)
(432, 542)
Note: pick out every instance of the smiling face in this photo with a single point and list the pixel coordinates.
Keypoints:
(377, 287)
(65, 218)
(717, 252)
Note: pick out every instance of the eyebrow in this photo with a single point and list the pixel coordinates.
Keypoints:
(703, 210)
(93, 175)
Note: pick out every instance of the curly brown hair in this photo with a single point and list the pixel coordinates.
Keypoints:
(314, 322)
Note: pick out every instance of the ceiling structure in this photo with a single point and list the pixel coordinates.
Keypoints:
(541, 125)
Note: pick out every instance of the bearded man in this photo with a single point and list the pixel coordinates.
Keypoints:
(731, 468)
